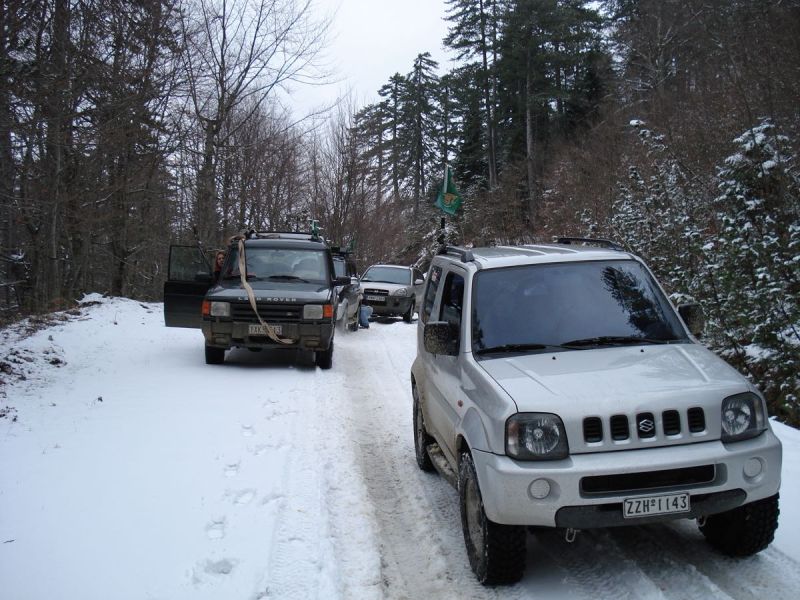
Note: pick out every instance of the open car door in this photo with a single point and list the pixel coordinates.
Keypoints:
(187, 283)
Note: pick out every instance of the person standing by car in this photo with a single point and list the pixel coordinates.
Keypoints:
(219, 259)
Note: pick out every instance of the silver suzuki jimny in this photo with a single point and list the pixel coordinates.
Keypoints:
(556, 386)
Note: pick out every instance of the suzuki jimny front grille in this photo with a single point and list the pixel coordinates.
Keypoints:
(647, 428)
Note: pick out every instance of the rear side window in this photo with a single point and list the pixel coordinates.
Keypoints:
(340, 267)
(430, 293)
(452, 300)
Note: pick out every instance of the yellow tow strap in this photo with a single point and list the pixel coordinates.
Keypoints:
(243, 274)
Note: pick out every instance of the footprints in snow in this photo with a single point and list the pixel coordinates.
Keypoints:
(244, 497)
(217, 528)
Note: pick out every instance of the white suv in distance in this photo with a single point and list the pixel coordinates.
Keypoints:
(392, 290)
(556, 386)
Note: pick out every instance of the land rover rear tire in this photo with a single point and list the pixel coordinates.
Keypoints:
(409, 314)
(215, 356)
(421, 438)
(745, 530)
(354, 325)
(496, 552)
(324, 358)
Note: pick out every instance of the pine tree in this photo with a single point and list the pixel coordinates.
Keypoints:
(394, 93)
(549, 74)
(756, 259)
(474, 34)
(419, 114)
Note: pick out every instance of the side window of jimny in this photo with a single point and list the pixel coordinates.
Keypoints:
(430, 293)
(452, 301)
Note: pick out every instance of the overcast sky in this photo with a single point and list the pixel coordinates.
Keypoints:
(370, 40)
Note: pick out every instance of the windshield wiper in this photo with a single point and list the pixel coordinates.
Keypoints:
(238, 277)
(604, 340)
(288, 278)
(515, 348)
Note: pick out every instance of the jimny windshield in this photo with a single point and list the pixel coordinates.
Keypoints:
(579, 304)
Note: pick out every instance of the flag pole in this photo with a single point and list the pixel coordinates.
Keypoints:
(442, 222)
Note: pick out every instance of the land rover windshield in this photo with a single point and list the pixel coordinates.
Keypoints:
(568, 306)
(278, 264)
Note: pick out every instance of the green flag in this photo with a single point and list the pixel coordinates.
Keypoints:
(449, 200)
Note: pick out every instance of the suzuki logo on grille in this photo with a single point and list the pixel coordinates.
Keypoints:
(646, 425)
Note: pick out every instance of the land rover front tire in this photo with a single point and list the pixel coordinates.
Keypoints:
(215, 356)
(324, 358)
(745, 530)
(496, 552)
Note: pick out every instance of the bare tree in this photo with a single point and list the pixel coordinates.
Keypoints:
(238, 54)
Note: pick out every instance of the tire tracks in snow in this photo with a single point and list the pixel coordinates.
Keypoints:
(422, 547)
(422, 551)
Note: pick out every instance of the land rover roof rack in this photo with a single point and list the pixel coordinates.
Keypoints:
(466, 255)
(286, 235)
(590, 241)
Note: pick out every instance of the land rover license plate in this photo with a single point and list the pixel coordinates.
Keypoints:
(375, 298)
(259, 329)
(655, 505)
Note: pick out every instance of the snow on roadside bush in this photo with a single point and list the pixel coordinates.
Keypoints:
(736, 251)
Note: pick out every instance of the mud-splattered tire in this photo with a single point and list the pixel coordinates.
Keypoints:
(745, 530)
(324, 358)
(496, 552)
(215, 356)
(421, 438)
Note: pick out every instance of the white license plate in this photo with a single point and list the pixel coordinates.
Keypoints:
(655, 505)
(375, 298)
(259, 329)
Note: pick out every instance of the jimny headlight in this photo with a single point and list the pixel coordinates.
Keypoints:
(536, 436)
(742, 417)
(401, 292)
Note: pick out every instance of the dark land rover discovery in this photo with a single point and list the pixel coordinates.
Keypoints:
(293, 283)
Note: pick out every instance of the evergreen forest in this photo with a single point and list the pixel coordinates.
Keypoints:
(669, 126)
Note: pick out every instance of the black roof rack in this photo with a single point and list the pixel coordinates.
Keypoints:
(252, 234)
(591, 241)
(466, 255)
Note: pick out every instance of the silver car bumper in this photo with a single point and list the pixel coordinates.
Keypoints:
(394, 305)
(509, 494)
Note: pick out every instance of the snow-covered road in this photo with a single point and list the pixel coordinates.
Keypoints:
(130, 469)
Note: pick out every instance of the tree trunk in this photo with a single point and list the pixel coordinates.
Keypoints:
(56, 110)
(8, 241)
(529, 147)
(491, 154)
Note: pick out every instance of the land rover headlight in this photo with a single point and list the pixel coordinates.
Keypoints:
(401, 292)
(536, 436)
(315, 312)
(742, 417)
(220, 309)
(312, 312)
